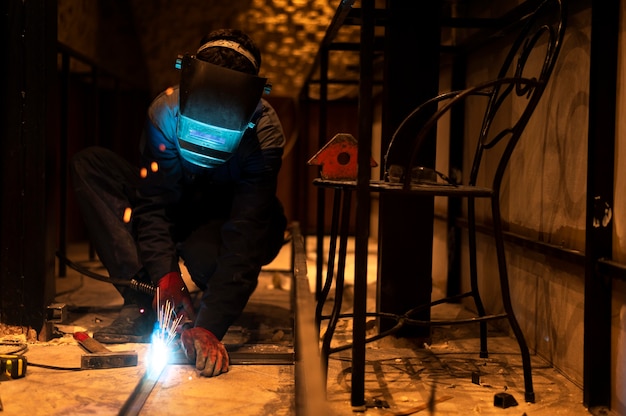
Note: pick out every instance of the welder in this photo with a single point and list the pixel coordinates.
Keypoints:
(205, 193)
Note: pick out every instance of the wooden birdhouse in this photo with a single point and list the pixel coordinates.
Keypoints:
(338, 158)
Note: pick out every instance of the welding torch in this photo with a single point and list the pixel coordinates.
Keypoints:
(133, 283)
(143, 287)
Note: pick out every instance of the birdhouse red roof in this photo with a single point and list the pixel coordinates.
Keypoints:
(338, 158)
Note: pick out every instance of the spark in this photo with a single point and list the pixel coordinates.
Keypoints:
(127, 214)
(164, 334)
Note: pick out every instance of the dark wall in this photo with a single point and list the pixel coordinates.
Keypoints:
(342, 117)
(100, 115)
(287, 112)
(28, 229)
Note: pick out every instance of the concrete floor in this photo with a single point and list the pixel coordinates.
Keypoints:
(401, 378)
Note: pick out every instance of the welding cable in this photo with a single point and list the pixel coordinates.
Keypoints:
(83, 270)
(20, 347)
(54, 367)
(19, 350)
(132, 283)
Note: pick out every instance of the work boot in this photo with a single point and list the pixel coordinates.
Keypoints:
(132, 325)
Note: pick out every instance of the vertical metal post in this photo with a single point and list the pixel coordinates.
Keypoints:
(600, 172)
(366, 117)
(321, 195)
(28, 216)
(63, 149)
(455, 209)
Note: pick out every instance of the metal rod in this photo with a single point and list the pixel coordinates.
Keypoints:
(138, 397)
(363, 208)
(310, 385)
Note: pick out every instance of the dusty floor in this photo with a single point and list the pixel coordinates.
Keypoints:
(401, 378)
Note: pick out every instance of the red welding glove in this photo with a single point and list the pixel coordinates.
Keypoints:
(173, 288)
(210, 354)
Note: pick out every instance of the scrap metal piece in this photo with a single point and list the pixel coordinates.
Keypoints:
(475, 377)
(504, 400)
(100, 360)
(57, 313)
(376, 403)
(99, 356)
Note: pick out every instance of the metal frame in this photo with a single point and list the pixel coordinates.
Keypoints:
(548, 23)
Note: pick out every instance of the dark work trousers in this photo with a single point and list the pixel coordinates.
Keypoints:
(105, 187)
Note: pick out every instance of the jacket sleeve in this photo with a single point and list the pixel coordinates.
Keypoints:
(159, 190)
(250, 229)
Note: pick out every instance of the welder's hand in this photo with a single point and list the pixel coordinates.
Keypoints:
(173, 288)
(209, 353)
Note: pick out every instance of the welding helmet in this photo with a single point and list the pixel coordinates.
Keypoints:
(216, 107)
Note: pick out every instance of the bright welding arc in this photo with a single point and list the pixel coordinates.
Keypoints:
(167, 321)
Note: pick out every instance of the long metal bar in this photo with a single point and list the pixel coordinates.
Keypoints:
(572, 256)
(322, 295)
(142, 391)
(247, 358)
(310, 384)
(612, 269)
(366, 116)
(600, 184)
(64, 127)
(340, 279)
(321, 196)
